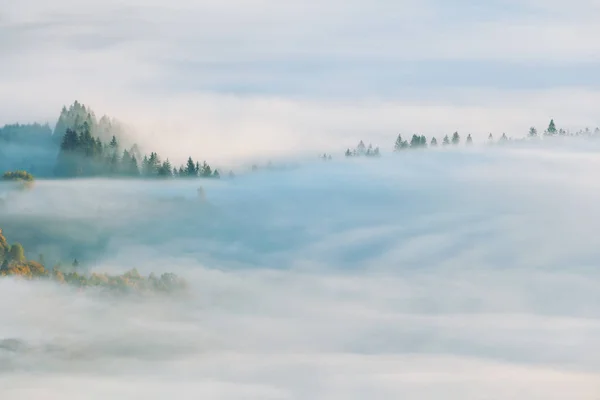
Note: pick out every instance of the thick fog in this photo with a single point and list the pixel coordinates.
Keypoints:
(455, 274)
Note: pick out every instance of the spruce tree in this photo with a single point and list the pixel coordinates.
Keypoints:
(532, 132)
(551, 128)
(433, 142)
(360, 148)
(446, 141)
(190, 169)
(415, 142)
(206, 170)
(455, 138)
(469, 140)
(398, 144)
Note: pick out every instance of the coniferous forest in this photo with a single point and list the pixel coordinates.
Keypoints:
(83, 146)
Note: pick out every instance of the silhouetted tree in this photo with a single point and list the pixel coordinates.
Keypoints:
(532, 132)
(455, 138)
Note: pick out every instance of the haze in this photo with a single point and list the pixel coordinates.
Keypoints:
(456, 272)
(462, 274)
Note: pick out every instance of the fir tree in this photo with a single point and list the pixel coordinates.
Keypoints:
(446, 141)
(434, 142)
(469, 140)
(398, 144)
(415, 142)
(190, 169)
(551, 128)
(165, 170)
(455, 138)
(206, 171)
(360, 148)
(532, 132)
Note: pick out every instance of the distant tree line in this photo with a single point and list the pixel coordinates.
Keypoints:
(83, 146)
(14, 263)
(82, 154)
(362, 150)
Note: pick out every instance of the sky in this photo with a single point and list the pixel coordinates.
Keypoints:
(231, 77)
(465, 273)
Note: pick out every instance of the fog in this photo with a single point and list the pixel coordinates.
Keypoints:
(458, 274)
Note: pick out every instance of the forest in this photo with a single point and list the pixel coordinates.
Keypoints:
(81, 145)
(13, 263)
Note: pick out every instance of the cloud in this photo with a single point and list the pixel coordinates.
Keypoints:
(239, 81)
(427, 274)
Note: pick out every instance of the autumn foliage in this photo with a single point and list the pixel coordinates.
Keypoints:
(14, 264)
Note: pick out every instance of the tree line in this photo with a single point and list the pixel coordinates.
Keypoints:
(14, 263)
(420, 141)
(82, 145)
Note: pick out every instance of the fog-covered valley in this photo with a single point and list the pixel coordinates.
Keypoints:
(454, 273)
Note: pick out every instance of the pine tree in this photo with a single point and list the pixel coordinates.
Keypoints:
(360, 148)
(376, 153)
(551, 128)
(504, 138)
(446, 141)
(216, 174)
(190, 169)
(491, 138)
(206, 170)
(134, 169)
(532, 132)
(455, 138)
(469, 140)
(415, 141)
(165, 169)
(434, 142)
(348, 153)
(398, 144)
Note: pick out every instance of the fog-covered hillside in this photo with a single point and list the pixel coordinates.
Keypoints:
(451, 273)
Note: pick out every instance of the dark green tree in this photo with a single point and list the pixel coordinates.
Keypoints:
(551, 128)
(446, 141)
(434, 142)
(206, 171)
(398, 144)
(190, 169)
(455, 138)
